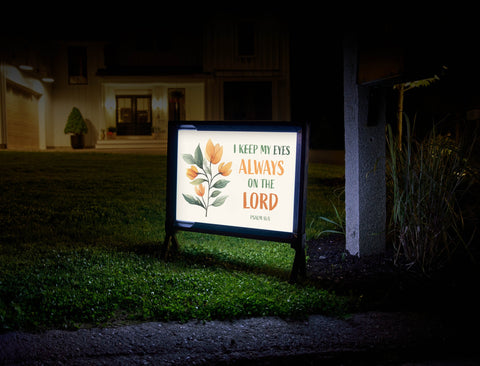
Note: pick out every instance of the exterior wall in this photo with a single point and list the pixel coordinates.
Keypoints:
(221, 44)
(87, 98)
(96, 100)
(270, 62)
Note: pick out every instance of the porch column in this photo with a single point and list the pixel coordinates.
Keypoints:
(365, 193)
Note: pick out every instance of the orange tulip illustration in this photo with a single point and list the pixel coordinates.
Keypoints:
(214, 153)
(225, 169)
(192, 172)
(200, 190)
(200, 172)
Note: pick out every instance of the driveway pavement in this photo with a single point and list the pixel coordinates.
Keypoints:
(374, 338)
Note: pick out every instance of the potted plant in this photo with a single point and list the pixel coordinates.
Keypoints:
(112, 132)
(77, 126)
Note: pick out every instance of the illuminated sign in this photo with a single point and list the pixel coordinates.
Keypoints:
(244, 180)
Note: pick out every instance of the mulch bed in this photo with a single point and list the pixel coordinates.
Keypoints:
(379, 284)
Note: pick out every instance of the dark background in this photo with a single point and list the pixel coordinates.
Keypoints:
(427, 38)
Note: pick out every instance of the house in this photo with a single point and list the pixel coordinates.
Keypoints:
(134, 81)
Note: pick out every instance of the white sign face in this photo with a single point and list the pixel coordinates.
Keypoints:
(237, 178)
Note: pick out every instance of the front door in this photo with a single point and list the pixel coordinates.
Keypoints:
(134, 115)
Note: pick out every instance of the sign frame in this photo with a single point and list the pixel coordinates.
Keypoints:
(296, 236)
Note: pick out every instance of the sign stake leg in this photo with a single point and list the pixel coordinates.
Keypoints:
(299, 267)
(167, 248)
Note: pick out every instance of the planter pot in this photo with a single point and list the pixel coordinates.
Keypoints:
(77, 141)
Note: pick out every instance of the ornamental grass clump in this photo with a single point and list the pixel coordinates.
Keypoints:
(425, 182)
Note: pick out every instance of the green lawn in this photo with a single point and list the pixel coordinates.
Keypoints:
(79, 242)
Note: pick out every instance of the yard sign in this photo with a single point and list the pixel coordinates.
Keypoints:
(245, 180)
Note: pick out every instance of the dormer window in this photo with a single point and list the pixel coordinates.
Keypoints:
(77, 65)
(246, 39)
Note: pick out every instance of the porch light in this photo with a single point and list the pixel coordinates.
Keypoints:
(110, 103)
(25, 67)
(157, 103)
(48, 79)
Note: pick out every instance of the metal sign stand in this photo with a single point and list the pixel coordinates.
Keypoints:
(297, 242)
(170, 238)
(299, 268)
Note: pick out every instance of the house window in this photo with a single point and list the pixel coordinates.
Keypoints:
(134, 115)
(77, 65)
(247, 101)
(246, 39)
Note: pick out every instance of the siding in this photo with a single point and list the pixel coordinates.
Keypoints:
(271, 49)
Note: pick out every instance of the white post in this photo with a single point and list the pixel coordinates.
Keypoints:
(365, 193)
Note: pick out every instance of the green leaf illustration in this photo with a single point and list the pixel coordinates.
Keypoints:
(189, 159)
(198, 156)
(221, 183)
(193, 200)
(198, 181)
(215, 194)
(219, 201)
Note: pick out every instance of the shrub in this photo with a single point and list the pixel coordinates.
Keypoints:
(425, 181)
(75, 123)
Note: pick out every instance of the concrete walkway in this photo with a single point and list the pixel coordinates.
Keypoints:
(373, 338)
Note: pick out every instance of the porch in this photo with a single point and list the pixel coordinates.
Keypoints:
(151, 143)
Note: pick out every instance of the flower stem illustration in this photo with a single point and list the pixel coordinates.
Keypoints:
(200, 172)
